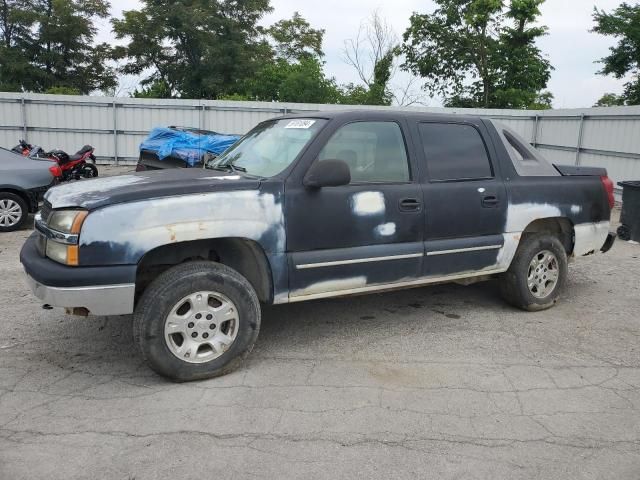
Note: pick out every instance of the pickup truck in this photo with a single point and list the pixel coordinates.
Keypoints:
(309, 207)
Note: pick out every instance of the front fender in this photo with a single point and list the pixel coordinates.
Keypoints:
(121, 234)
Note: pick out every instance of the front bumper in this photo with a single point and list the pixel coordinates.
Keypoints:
(108, 290)
(97, 299)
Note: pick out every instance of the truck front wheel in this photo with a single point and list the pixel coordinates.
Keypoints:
(537, 273)
(197, 320)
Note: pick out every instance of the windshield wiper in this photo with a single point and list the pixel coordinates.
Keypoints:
(236, 168)
(229, 167)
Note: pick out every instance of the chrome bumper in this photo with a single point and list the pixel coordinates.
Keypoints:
(99, 300)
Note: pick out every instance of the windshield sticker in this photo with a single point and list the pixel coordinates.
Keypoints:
(300, 124)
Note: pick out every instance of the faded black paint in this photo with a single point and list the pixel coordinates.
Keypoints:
(302, 226)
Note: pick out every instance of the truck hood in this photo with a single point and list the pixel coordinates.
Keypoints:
(100, 192)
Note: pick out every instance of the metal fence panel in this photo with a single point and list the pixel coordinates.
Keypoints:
(607, 137)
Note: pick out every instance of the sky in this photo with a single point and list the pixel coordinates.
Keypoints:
(570, 47)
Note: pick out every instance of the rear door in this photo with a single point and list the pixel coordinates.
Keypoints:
(367, 233)
(465, 199)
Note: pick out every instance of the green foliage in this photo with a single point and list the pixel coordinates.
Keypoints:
(156, 89)
(303, 82)
(62, 90)
(372, 53)
(296, 40)
(483, 41)
(238, 97)
(610, 100)
(215, 49)
(377, 93)
(622, 24)
(49, 43)
(17, 19)
(198, 48)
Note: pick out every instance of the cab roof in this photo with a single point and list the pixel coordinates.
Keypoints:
(382, 115)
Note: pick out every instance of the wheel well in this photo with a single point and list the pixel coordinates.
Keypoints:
(558, 226)
(244, 256)
(22, 194)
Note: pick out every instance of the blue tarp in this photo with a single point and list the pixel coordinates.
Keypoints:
(187, 146)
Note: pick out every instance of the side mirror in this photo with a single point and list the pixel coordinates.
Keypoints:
(328, 173)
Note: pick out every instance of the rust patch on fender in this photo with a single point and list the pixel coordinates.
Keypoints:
(172, 233)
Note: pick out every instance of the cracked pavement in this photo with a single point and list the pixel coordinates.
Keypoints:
(438, 382)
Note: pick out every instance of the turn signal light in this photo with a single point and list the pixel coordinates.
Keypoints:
(78, 221)
(72, 255)
(55, 170)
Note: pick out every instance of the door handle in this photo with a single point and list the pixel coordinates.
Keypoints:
(410, 205)
(490, 201)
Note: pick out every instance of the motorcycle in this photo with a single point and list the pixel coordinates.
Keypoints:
(23, 148)
(74, 166)
(77, 166)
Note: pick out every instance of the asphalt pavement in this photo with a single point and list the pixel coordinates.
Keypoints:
(443, 382)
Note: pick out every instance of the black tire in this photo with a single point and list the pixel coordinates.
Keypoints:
(624, 233)
(24, 210)
(513, 283)
(162, 295)
(88, 170)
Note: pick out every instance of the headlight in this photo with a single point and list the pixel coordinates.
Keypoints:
(67, 221)
(64, 227)
(61, 253)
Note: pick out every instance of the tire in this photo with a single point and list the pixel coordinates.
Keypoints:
(168, 295)
(88, 170)
(13, 212)
(624, 233)
(514, 284)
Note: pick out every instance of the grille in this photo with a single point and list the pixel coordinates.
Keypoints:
(45, 211)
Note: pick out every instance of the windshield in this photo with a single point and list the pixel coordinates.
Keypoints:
(269, 148)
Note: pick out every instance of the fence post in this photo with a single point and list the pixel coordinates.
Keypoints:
(535, 132)
(115, 133)
(23, 109)
(580, 134)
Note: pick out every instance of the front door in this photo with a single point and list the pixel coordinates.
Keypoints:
(349, 238)
(465, 201)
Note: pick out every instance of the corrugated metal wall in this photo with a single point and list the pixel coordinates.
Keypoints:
(607, 137)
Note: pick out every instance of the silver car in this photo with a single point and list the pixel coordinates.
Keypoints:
(23, 182)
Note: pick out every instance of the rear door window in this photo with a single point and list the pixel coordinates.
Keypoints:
(454, 152)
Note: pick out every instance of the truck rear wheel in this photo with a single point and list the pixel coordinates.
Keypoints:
(537, 274)
(197, 320)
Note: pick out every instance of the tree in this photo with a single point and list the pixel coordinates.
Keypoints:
(17, 18)
(49, 44)
(156, 89)
(526, 71)
(302, 82)
(476, 53)
(371, 54)
(196, 48)
(294, 73)
(295, 39)
(622, 24)
(610, 100)
(64, 51)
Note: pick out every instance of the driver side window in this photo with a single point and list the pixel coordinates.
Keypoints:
(374, 151)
